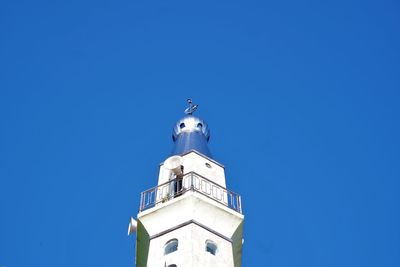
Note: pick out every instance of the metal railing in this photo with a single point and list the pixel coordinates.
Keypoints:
(190, 181)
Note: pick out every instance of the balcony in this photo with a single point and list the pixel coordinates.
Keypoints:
(189, 182)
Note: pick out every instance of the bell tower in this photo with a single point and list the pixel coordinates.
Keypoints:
(190, 219)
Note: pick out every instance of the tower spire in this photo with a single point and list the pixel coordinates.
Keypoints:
(191, 133)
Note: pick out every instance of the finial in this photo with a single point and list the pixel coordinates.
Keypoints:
(192, 108)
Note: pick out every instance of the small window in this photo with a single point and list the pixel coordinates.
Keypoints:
(208, 165)
(172, 265)
(171, 246)
(199, 125)
(211, 247)
(182, 125)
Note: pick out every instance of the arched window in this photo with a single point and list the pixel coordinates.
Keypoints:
(171, 246)
(172, 265)
(211, 247)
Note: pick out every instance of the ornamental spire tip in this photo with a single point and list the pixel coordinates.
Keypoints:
(192, 108)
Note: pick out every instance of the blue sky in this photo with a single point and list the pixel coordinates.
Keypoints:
(302, 98)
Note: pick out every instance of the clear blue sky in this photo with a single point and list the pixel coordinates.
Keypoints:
(302, 98)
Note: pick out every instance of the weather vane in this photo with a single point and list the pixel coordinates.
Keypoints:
(192, 108)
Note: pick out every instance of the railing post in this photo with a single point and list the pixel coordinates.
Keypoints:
(191, 182)
(239, 203)
(143, 201)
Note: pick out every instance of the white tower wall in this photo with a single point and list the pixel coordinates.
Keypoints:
(191, 219)
(191, 251)
(202, 165)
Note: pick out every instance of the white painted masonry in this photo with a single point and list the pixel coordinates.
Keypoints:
(192, 218)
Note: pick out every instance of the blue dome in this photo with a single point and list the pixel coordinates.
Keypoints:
(191, 133)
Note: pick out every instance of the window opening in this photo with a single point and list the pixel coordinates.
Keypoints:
(171, 246)
(176, 184)
(211, 247)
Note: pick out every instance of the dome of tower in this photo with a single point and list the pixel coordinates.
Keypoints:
(190, 124)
